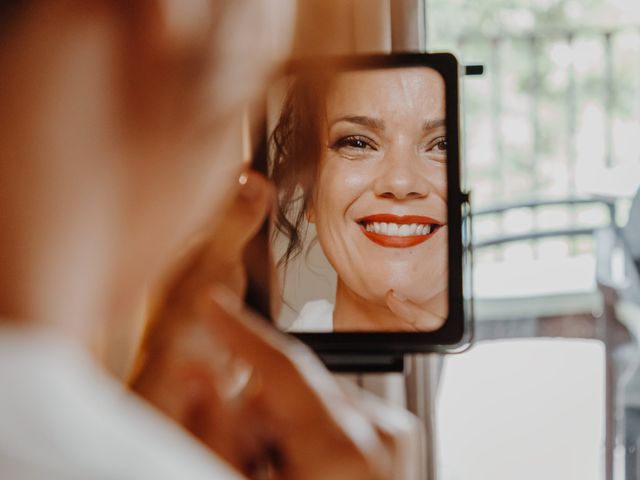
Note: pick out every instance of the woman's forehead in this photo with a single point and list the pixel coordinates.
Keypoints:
(416, 90)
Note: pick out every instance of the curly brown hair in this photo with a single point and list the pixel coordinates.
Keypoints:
(296, 147)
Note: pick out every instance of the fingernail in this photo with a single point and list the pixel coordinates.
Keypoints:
(398, 296)
(252, 188)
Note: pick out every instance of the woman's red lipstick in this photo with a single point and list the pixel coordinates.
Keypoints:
(396, 241)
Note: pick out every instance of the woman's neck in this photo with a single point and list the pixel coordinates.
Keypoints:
(59, 263)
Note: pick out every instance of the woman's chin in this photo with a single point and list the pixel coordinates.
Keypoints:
(416, 292)
(407, 279)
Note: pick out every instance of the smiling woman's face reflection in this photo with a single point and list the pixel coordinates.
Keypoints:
(380, 203)
(379, 198)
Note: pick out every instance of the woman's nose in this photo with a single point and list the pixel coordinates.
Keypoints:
(400, 176)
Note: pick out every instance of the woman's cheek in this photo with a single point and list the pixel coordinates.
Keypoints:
(339, 187)
(344, 179)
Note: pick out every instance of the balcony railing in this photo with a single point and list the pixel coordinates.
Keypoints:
(556, 114)
(552, 125)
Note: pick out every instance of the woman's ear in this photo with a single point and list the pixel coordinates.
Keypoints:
(175, 25)
(166, 36)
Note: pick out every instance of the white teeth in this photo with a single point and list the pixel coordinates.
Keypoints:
(404, 230)
(399, 230)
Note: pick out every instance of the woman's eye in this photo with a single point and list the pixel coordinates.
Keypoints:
(439, 145)
(357, 143)
(354, 142)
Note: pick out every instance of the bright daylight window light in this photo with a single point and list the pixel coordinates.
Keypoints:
(525, 409)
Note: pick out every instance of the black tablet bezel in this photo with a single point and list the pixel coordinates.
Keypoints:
(456, 331)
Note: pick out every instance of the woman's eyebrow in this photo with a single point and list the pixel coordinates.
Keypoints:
(431, 124)
(373, 123)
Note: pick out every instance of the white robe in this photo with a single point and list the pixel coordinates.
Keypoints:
(315, 317)
(63, 417)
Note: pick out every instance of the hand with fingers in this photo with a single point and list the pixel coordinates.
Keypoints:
(426, 317)
(259, 399)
